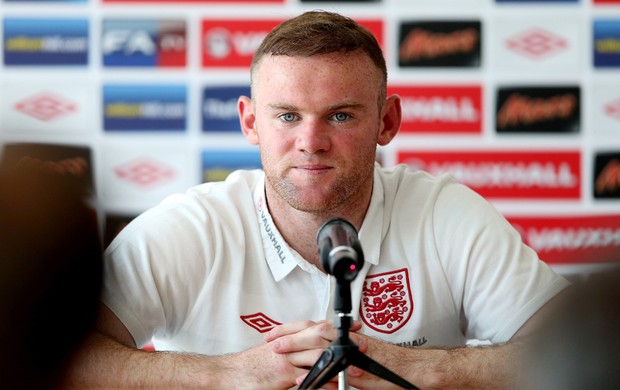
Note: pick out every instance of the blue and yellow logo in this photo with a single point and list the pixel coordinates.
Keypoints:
(144, 107)
(43, 42)
(606, 43)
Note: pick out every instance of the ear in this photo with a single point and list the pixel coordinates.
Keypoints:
(247, 119)
(391, 116)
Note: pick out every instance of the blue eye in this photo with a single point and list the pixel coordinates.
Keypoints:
(288, 117)
(341, 116)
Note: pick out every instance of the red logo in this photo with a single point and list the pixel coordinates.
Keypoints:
(232, 43)
(145, 172)
(260, 322)
(613, 109)
(386, 304)
(441, 109)
(46, 106)
(514, 174)
(576, 239)
(537, 43)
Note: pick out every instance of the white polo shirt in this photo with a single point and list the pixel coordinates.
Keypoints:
(208, 272)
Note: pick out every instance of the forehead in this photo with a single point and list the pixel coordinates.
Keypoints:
(338, 74)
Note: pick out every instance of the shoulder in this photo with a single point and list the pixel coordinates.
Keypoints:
(402, 185)
(201, 211)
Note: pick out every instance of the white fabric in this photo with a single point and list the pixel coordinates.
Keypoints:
(187, 272)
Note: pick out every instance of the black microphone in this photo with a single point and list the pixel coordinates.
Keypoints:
(340, 250)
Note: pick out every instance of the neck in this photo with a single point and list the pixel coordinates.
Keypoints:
(299, 228)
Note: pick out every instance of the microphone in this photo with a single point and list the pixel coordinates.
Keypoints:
(340, 250)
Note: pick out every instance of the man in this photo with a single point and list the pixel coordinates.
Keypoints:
(209, 271)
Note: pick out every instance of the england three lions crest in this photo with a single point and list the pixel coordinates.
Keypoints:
(386, 301)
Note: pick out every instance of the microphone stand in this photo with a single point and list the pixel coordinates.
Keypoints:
(343, 352)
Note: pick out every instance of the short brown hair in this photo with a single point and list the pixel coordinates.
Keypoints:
(321, 32)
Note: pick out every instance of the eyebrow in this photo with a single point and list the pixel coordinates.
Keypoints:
(334, 107)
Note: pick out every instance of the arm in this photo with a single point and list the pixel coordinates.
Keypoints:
(110, 359)
(483, 367)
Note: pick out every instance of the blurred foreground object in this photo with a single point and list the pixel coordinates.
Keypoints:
(579, 348)
(50, 270)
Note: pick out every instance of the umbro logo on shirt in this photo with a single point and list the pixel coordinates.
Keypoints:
(260, 322)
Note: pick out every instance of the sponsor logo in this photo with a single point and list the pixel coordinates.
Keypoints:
(606, 43)
(67, 160)
(537, 43)
(538, 109)
(440, 109)
(144, 107)
(440, 43)
(516, 174)
(414, 343)
(194, 1)
(232, 43)
(219, 107)
(348, 1)
(154, 43)
(46, 106)
(386, 301)
(612, 109)
(45, 1)
(218, 164)
(607, 175)
(145, 172)
(45, 41)
(260, 322)
(537, 1)
(574, 239)
(269, 229)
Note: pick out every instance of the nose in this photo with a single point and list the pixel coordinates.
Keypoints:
(313, 137)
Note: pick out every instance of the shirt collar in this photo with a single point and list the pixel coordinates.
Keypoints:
(371, 233)
(282, 259)
(278, 254)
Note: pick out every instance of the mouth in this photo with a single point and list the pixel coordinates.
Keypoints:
(313, 168)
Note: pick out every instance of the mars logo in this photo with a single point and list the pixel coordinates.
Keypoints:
(537, 43)
(538, 109)
(386, 304)
(232, 43)
(145, 172)
(144, 43)
(440, 43)
(46, 106)
(447, 109)
(607, 175)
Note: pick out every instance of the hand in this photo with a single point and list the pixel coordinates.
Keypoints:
(258, 367)
(303, 342)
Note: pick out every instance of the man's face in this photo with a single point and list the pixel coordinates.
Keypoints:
(317, 123)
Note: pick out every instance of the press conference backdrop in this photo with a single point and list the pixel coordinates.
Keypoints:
(520, 100)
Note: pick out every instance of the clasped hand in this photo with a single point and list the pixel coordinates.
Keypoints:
(303, 342)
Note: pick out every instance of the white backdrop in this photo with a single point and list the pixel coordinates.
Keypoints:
(194, 59)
